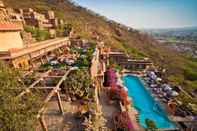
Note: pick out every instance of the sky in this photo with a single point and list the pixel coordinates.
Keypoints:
(146, 13)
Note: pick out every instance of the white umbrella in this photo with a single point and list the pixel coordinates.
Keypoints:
(167, 87)
(174, 93)
(159, 79)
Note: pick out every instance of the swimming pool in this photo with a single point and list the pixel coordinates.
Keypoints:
(145, 103)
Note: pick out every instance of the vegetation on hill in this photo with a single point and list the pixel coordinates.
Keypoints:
(180, 69)
(37, 33)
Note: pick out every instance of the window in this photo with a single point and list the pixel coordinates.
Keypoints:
(20, 65)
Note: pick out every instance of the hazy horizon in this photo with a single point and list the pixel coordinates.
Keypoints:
(146, 14)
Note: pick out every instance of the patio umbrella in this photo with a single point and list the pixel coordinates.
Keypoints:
(167, 87)
(159, 79)
(174, 93)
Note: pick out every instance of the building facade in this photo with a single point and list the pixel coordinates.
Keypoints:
(34, 54)
(126, 62)
(17, 48)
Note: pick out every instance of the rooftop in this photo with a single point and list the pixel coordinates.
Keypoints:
(7, 26)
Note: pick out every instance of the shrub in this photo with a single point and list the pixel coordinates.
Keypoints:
(16, 113)
(64, 30)
(37, 33)
(190, 74)
(150, 125)
(78, 84)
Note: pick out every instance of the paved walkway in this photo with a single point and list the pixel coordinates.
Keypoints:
(56, 121)
(53, 118)
(108, 110)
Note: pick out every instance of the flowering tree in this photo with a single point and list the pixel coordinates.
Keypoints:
(122, 121)
(110, 77)
(113, 92)
(124, 97)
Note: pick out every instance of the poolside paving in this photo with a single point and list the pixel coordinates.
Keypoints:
(53, 118)
(132, 114)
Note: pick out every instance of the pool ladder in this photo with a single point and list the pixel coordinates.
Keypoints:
(137, 118)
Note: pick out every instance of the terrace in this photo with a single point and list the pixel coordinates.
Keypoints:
(49, 83)
(62, 107)
(42, 47)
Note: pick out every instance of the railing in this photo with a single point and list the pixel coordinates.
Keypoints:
(4, 54)
(55, 43)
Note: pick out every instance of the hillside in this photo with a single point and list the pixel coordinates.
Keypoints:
(180, 70)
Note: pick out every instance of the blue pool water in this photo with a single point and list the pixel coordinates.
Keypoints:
(145, 103)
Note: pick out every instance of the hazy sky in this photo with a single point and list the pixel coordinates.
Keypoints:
(146, 13)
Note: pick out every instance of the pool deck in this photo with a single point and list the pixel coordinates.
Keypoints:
(132, 114)
(131, 110)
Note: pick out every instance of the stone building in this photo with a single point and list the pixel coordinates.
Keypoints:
(15, 52)
(35, 19)
(50, 14)
(17, 48)
(15, 17)
(27, 38)
(10, 36)
(45, 20)
(3, 12)
(126, 62)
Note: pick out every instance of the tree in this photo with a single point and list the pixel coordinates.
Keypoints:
(16, 113)
(67, 29)
(42, 35)
(64, 30)
(86, 56)
(150, 125)
(78, 84)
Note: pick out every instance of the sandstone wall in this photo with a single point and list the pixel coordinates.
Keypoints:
(10, 40)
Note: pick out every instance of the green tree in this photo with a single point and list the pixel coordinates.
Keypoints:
(37, 33)
(42, 35)
(78, 84)
(64, 30)
(150, 125)
(16, 113)
(67, 29)
(31, 30)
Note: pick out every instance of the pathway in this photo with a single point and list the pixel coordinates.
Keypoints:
(56, 121)
(108, 110)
